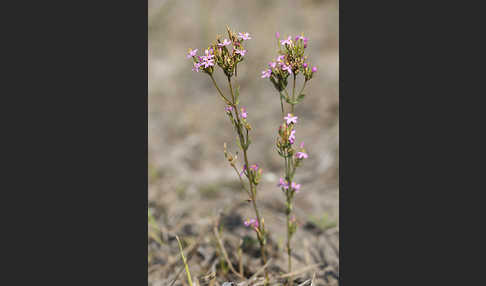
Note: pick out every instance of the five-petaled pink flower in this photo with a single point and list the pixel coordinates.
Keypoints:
(283, 183)
(244, 114)
(207, 63)
(192, 53)
(295, 187)
(241, 52)
(266, 73)
(291, 118)
(301, 155)
(244, 36)
(224, 43)
(287, 42)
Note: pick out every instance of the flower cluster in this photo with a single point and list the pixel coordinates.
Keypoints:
(284, 184)
(226, 53)
(291, 60)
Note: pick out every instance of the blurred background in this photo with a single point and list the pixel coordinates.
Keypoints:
(191, 183)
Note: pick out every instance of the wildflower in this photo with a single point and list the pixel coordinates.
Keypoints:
(240, 52)
(314, 69)
(266, 73)
(287, 68)
(224, 43)
(192, 53)
(301, 144)
(283, 184)
(244, 36)
(277, 35)
(291, 118)
(209, 55)
(244, 114)
(207, 63)
(251, 222)
(196, 67)
(272, 64)
(254, 167)
(305, 65)
(301, 155)
(292, 137)
(280, 58)
(301, 38)
(228, 108)
(295, 187)
(287, 42)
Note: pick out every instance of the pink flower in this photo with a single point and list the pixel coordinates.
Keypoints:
(266, 73)
(301, 155)
(295, 187)
(283, 184)
(272, 64)
(192, 53)
(280, 58)
(287, 68)
(244, 36)
(301, 144)
(314, 69)
(292, 137)
(241, 52)
(224, 43)
(305, 65)
(277, 35)
(291, 118)
(208, 55)
(251, 222)
(196, 67)
(254, 167)
(287, 42)
(207, 63)
(244, 114)
(228, 108)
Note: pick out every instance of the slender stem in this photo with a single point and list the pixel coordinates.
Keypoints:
(293, 94)
(249, 176)
(281, 104)
(219, 90)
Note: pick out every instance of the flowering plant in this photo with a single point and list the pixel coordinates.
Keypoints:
(290, 61)
(226, 54)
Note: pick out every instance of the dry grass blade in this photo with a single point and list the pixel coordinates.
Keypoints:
(300, 271)
(313, 279)
(305, 282)
(223, 250)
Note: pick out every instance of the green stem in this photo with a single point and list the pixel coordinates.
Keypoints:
(250, 181)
